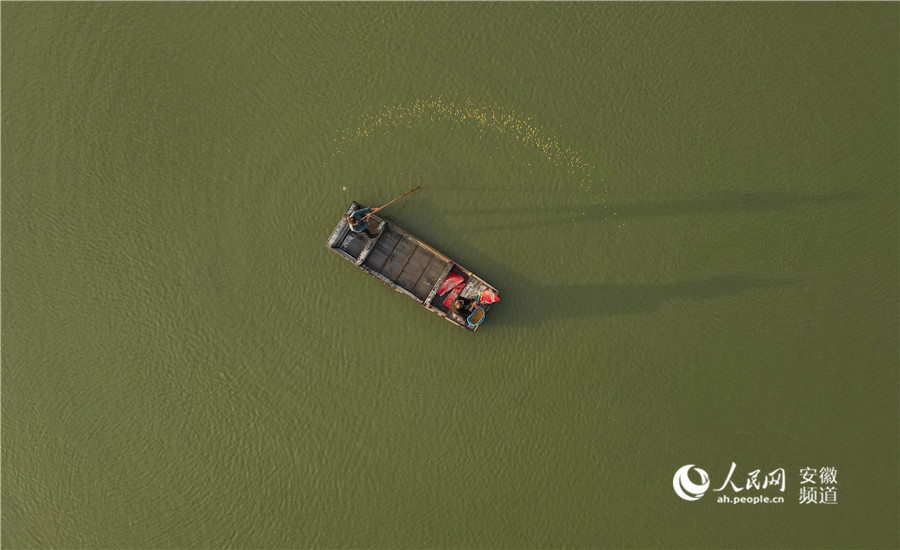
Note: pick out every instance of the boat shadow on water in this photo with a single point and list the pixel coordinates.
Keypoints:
(532, 302)
(539, 303)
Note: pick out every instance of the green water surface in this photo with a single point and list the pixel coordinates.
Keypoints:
(690, 211)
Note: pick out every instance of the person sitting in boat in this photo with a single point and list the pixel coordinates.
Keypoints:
(359, 220)
(462, 307)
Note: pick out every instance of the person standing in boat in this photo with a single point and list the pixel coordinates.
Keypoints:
(359, 221)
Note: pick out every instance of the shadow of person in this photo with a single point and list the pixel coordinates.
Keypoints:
(720, 202)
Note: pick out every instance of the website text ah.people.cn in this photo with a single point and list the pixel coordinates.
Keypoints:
(725, 499)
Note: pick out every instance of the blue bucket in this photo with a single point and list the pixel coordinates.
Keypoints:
(476, 317)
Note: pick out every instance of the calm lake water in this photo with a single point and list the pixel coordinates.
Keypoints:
(690, 210)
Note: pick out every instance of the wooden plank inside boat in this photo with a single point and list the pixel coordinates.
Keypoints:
(353, 244)
(429, 277)
(398, 259)
(383, 249)
(418, 261)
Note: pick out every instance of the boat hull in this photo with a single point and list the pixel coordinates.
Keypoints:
(407, 264)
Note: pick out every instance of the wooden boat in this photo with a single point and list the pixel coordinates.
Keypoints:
(409, 266)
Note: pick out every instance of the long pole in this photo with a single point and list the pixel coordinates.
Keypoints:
(401, 196)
